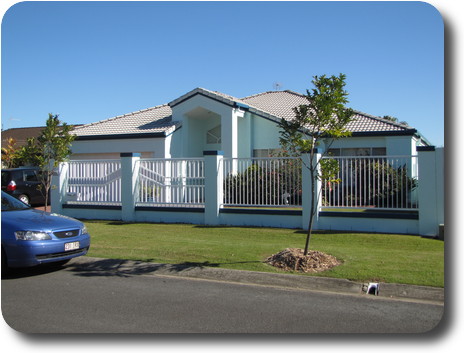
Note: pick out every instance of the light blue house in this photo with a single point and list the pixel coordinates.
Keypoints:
(160, 165)
(203, 120)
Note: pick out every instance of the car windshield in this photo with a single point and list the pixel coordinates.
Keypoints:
(9, 203)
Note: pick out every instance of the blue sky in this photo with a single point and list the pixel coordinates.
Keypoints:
(88, 61)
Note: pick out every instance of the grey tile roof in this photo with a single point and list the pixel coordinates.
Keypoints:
(281, 103)
(277, 103)
(363, 122)
(148, 121)
(273, 105)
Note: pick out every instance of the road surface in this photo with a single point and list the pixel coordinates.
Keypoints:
(73, 300)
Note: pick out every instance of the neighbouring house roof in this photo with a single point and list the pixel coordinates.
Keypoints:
(273, 105)
(21, 134)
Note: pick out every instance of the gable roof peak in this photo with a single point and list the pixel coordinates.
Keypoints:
(207, 93)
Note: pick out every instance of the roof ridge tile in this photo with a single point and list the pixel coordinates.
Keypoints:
(270, 92)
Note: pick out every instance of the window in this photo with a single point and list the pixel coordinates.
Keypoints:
(367, 151)
(335, 152)
(29, 175)
(379, 151)
(266, 152)
(213, 136)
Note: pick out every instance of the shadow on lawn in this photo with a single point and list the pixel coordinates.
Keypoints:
(88, 267)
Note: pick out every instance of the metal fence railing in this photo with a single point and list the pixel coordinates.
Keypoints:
(171, 182)
(382, 182)
(94, 181)
(262, 182)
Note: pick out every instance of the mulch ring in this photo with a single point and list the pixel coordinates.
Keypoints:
(292, 259)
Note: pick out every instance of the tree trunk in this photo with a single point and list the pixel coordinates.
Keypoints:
(313, 171)
(46, 199)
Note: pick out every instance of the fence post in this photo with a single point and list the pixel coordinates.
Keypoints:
(431, 190)
(306, 183)
(59, 188)
(129, 175)
(214, 176)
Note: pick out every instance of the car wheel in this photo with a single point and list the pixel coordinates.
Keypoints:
(24, 198)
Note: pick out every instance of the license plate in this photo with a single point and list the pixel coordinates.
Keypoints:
(71, 246)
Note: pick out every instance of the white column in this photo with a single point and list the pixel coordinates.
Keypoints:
(213, 186)
(431, 190)
(129, 175)
(59, 188)
(229, 132)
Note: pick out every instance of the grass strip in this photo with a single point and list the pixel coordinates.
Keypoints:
(366, 257)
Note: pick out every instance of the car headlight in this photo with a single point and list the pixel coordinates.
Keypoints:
(32, 235)
(84, 230)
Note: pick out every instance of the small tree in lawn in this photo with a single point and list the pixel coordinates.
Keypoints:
(27, 154)
(9, 154)
(52, 148)
(323, 118)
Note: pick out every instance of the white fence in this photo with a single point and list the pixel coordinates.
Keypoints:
(262, 182)
(362, 182)
(171, 182)
(94, 182)
(382, 182)
(257, 192)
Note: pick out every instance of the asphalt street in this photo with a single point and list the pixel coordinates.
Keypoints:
(87, 299)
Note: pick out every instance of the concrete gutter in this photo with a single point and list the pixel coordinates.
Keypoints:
(289, 281)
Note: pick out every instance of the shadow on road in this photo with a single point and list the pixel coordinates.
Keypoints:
(14, 273)
(91, 267)
(88, 267)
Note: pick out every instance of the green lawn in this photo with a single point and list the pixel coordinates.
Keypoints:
(366, 257)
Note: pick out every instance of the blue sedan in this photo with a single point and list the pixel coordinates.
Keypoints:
(31, 237)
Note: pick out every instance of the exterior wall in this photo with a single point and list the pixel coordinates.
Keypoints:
(265, 133)
(261, 220)
(395, 145)
(94, 156)
(174, 144)
(244, 135)
(166, 216)
(111, 214)
(376, 225)
(360, 142)
(97, 149)
(400, 145)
